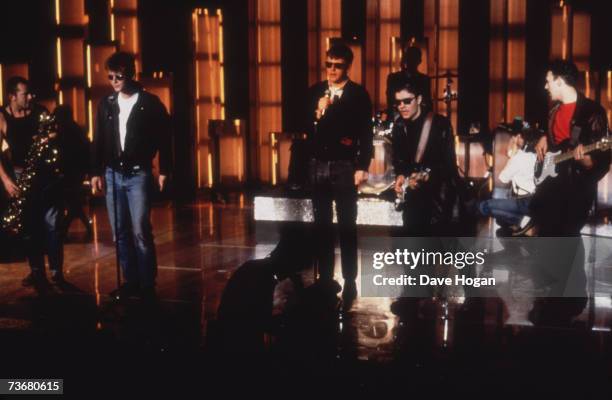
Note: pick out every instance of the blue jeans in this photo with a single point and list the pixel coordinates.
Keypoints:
(505, 211)
(43, 230)
(133, 231)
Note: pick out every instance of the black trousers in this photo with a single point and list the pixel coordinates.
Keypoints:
(417, 213)
(334, 181)
(561, 205)
(43, 229)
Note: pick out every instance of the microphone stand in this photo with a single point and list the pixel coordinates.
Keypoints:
(117, 294)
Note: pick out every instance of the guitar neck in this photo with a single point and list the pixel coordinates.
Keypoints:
(568, 155)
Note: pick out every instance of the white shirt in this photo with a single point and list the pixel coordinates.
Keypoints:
(519, 170)
(125, 108)
(336, 92)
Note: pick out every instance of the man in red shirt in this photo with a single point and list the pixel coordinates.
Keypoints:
(561, 205)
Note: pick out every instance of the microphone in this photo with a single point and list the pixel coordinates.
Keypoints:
(328, 95)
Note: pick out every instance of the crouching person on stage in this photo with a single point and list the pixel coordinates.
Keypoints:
(519, 171)
(132, 125)
(339, 127)
(424, 162)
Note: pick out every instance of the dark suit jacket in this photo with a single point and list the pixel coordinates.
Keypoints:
(148, 131)
(344, 133)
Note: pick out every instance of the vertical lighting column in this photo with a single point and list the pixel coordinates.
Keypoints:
(442, 33)
(124, 28)
(571, 40)
(70, 20)
(266, 83)
(209, 93)
(324, 24)
(507, 60)
(382, 30)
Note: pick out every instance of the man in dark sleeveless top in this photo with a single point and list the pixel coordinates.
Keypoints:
(18, 126)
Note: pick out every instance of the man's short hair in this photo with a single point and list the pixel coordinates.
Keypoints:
(565, 70)
(13, 83)
(122, 62)
(411, 86)
(341, 50)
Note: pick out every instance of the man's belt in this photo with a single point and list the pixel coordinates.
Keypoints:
(125, 167)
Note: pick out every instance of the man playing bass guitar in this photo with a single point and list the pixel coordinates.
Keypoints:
(561, 204)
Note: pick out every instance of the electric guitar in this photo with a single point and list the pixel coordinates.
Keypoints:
(420, 175)
(548, 167)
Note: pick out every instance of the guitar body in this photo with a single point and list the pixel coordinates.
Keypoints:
(546, 168)
(419, 174)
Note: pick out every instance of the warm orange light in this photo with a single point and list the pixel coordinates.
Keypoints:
(587, 82)
(239, 156)
(57, 12)
(97, 283)
(565, 29)
(75, 103)
(90, 119)
(88, 52)
(211, 224)
(211, 74)
(112, 20)
(196, 30)
(58, 45)
(210, 170)
(221, 65)
(95, 234)
(273, 142)
(199, 168)
(61, 97)
(135, 35)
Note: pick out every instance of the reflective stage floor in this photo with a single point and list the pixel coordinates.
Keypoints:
(277, 333)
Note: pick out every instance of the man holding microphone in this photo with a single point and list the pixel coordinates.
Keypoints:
(339, 127)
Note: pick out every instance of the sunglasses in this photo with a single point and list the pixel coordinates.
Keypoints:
(119, 77)
(331, 65)
(406, 101)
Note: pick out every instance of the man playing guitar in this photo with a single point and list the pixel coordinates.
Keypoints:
(561, 204)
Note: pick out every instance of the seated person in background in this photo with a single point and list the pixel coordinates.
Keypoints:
(519, 170)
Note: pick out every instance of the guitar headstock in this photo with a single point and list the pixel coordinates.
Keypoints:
(604, 143)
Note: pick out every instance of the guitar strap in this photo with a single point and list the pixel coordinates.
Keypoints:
(424, 138)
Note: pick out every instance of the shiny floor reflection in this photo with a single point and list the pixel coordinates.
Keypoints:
(271, 312)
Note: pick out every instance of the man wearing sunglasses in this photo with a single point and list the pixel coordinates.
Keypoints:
(132, 125)
(422, 142)
(339, 127)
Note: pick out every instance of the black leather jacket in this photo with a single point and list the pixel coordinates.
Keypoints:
(589, 124)
(439, 154)
(148, 131)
